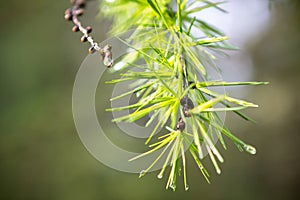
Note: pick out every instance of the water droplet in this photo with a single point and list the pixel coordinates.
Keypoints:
(250, 149)
(142, 173)
(172, 186)
(159, 176)
(187, 187)
(220, 158)
(138, 94)
(108, 61)
(106, 56)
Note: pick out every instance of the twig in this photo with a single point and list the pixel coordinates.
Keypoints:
(185, 102)
(72, 14)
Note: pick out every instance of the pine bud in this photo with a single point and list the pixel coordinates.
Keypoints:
(83, 39)
(187, 102)
(89, 29)
(92, 50)
(68, 17)
(180, 125)
(68, 11)
(186, 111)
(75, 28)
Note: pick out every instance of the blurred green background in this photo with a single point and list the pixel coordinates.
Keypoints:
(41, 156)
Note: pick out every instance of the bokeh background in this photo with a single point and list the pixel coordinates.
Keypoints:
(42, 157)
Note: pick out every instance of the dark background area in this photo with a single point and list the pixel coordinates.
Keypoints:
(41, 156)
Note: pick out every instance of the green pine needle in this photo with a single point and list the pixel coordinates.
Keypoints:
(173, 85)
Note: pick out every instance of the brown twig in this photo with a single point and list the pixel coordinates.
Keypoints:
(186, 102)
(72, 14)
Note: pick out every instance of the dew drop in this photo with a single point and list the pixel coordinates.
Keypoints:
(138, 94)
(106, 56)
(108, 61)
(187, 188)
(142, 173)
(159, 176)
(250, 149)
(172, 187)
